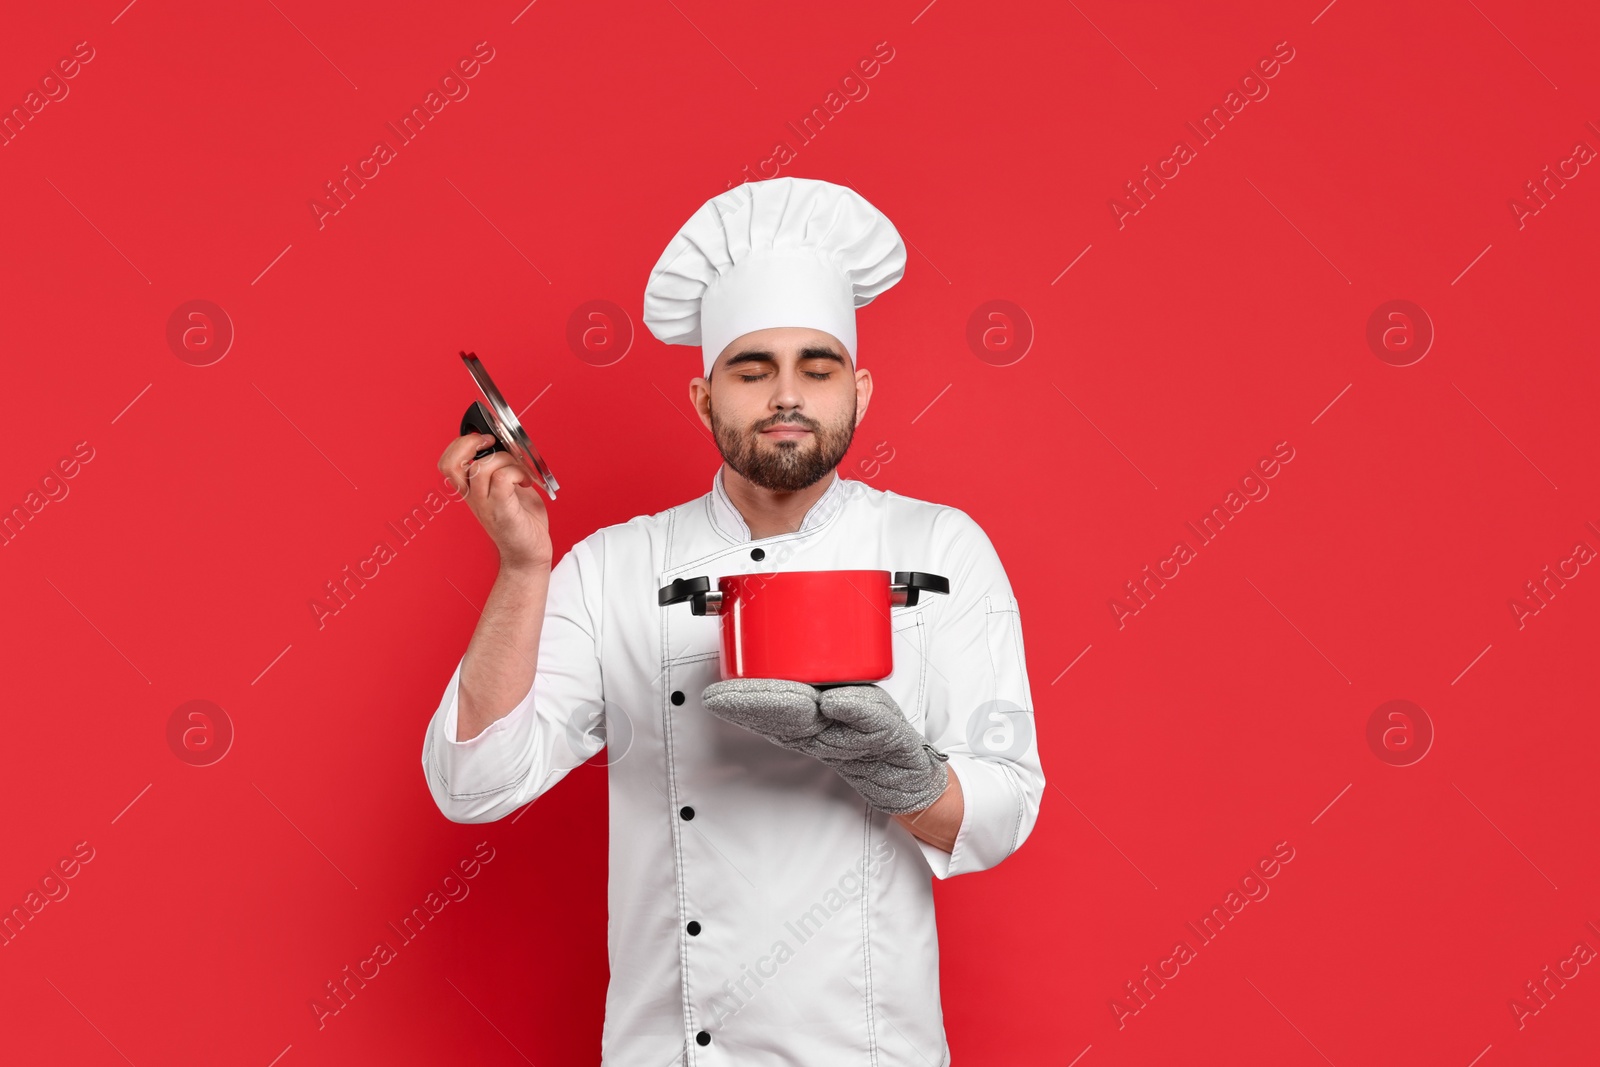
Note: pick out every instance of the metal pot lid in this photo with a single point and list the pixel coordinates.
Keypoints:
(507, 427)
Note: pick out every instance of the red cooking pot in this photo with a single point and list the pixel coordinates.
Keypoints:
(819, 627)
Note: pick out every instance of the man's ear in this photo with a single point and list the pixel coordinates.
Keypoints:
(700, 397)
(863, 393)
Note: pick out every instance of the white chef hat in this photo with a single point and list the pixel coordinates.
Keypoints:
(782, 252)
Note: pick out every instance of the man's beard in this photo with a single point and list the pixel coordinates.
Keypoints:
(785, 466)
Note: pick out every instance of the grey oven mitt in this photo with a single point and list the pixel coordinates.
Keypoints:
(858, 730)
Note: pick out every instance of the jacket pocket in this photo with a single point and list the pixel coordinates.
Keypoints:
(909, 682)
(1002, 727)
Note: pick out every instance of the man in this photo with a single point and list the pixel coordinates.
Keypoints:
(772, 845)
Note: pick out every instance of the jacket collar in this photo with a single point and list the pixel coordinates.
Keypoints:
(730, 523)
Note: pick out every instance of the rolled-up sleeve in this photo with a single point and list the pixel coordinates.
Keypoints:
(980, 708)
(559, 724)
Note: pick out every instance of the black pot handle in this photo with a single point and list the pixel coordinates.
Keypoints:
(477, 420)
(697, 591)
(917, 582)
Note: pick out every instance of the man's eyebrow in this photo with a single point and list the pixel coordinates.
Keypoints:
(762, 355)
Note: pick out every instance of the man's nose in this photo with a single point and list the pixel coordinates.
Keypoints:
(784, 410)
(786, 394)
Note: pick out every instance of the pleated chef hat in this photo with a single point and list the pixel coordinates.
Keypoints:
(782, 252)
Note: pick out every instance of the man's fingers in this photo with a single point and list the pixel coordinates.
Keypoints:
(481, 474)
(463, 448)
(504, 479)
(458, 453)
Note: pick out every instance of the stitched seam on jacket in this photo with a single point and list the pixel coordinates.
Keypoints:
(711, 557)
(922, 674)
(918, 625)
(490, 792)
(1016, 622)
(778, 540)
(672, 813)
(1016, 825)
(838, 508)
(866, 933)
(711, 517)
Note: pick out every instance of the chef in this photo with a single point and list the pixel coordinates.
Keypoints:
(772, 845)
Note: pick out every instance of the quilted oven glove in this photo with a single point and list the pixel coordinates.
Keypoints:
(858, 730)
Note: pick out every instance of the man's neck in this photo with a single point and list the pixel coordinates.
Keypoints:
(769, 513)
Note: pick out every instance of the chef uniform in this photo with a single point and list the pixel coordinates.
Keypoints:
(761, 912)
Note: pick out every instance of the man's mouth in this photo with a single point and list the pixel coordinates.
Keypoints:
(785, 431)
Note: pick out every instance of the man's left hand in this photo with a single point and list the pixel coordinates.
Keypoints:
(858, 730)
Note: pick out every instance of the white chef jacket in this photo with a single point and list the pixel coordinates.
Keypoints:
(760, 911)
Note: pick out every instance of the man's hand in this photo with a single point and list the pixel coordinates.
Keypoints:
(858, 730)
(500, 492)
(500, 664)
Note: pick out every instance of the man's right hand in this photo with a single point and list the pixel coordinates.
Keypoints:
(501, 494)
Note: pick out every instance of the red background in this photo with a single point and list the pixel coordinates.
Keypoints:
(1226, 316)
